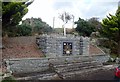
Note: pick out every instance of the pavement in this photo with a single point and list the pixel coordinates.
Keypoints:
(107, 73)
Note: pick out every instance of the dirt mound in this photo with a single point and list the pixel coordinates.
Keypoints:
(20, 47)
(94, 50)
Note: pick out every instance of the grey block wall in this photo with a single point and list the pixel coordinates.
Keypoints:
(27, 65)
(52, 45)
(30, 65)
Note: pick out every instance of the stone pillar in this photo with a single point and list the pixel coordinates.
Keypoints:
(85, 46)
(81, 45)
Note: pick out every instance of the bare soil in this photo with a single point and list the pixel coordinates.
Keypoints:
(20, 47)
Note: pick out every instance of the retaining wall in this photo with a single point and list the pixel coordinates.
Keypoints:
(28, 65)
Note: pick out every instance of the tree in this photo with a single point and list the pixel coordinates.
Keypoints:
(12, 13)
(20, 30)
(65, 17)
(84, 28)
(111, 28)
(38, 26)
(23, 30)
(0, 10)
(0, 18)
(95, 23)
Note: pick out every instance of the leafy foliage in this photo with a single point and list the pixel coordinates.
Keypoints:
(37, 25)
(30, 26)
(23, 30)
(95, 23)
(84, 28)
(19, 30)
(9, 79)
(111, 29)
(12, 14)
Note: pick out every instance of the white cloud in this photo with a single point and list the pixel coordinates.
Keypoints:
(47, 9)
(42, 9)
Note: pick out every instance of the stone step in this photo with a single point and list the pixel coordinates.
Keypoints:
(71, 59)
(69, 75)
(75, 64)
(61, 62)
(69, 69)
(47, 76)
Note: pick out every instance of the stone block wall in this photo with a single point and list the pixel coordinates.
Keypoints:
(84, 43)
(27, 65)
(101, 58)
(52, 45)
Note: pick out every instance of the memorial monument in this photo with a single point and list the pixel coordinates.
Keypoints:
(59, 45)
(56, 45)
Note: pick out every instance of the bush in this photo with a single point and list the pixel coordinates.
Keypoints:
(9, 79)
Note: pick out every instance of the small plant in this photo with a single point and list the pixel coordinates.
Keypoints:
(9, 79)
(65, 61)
(45, 56)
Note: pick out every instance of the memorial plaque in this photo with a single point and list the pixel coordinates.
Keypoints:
(67, 48)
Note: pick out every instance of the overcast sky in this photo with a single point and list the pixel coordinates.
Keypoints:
(47, 9)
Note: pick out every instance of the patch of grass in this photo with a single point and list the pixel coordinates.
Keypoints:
(108, 63)
(113, 55)
(65, 61)
(9, 79)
